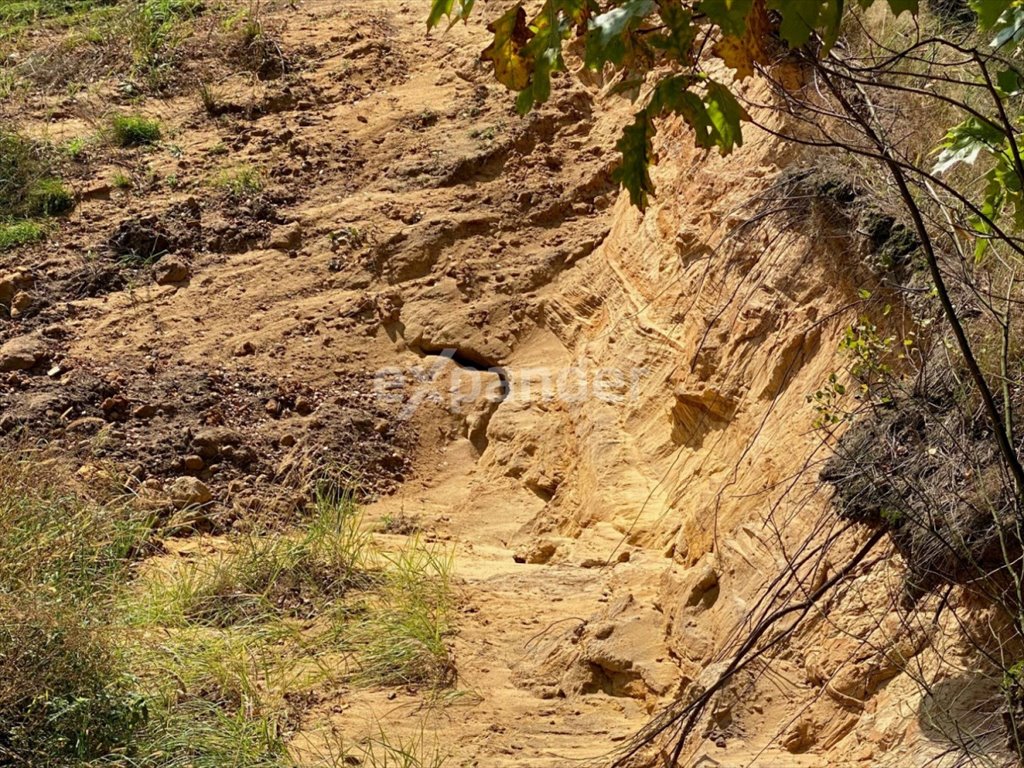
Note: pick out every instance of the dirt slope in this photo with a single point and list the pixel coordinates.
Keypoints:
(603, 413)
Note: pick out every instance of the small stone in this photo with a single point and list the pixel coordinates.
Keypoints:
(171, 270)
(273, 407)
(210, 442)
(115, 403)
(245, 349)
(800, 737)
(189, 492)
(287, 237)
(151, 487)
(193, 463)
(12, 284)
(145, 411)
(303, 406)
(21, 303)
(21, 353)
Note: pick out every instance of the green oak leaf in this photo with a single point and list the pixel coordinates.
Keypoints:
(609, 35)
(730, 15)
(673, 96)
(989, 11)
(1009, 82)
(803, 18)
(453, 9)
(545, 51)
(799, 19)
(964, 142)
(726, 114)
(676, 39)
(899, 6)
(1011, 27)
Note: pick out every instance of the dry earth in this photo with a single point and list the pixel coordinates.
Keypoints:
(616, 443)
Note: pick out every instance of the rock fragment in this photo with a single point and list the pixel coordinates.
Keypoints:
(170, 270)
(21, 353)
(188, 492)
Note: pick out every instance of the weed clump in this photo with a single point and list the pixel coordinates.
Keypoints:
(239, 183)
(64, 694)
(18, 233)
(404, 636)
(134, 131)
(49, 197)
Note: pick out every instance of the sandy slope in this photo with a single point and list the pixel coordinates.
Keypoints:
(608, 542)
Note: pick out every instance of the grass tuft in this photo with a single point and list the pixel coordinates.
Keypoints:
(240, 182)
(403, 639)
(134, 131)
(49, 197)
(18, 233)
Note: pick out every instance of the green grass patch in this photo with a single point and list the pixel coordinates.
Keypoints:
(153, 30)
(49, 197)
(64, 693)
(269, 578)
(16, 16)
(107, 657)
(403, 636)
(29, 189)
(19, 233)
(76, 149)
(240, 182)
(384, 750)
(134, 131)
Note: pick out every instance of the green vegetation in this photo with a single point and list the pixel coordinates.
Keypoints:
(49, 197)
(19, 15)
(14, 234)
(106, 657)
(154, 30)
(385, 751)
(404, 638)
(76, 149)
(240, 182)
(133, 131)
(65, 694)
(29, 190)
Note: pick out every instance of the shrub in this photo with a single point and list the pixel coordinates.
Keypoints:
(134, 131)
(63, 693)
